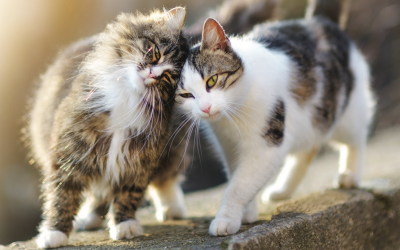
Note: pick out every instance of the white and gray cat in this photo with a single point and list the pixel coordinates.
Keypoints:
(282, 90)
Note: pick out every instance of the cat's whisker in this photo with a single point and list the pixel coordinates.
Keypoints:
(241, 105)
(143, 112)
(236, 118)
(242, 113)
(152, 126)
(233, 122)
(134, 55)
(130, 46)
(160, 105)
(173, 136)
(237, 115)
(178, 129)
(197, 138)
(187, 140)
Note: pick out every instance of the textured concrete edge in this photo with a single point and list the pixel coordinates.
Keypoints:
(365, 220)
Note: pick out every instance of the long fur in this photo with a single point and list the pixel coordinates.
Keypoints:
(100, 122)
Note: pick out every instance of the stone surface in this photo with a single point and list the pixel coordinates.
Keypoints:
(368, 218)
(334, 219)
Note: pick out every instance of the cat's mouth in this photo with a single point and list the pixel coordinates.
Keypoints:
(212, 117)
(149, 81)
(148, 77)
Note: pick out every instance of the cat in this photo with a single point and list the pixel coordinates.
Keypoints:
(100, 123)
(281, 90)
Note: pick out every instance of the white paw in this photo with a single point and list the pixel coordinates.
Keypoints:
(250, 215)
(51, 239)
(347, 181)
(174, 212)
(223, 226)
(90, 222)
(274, 194)
(125, 230)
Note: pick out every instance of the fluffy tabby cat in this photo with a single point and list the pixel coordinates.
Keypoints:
(99, 124)
(281, 90)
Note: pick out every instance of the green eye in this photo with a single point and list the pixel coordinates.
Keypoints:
(212, 81)
(157, 53)
(187, 95)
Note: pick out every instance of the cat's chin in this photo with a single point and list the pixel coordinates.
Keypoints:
(214, 117)
(139, 86)
(149, 81)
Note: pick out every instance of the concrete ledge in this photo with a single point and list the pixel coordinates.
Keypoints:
(334, 219)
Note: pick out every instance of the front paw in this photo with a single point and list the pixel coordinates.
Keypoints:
(347, 180)
(51, 239)
(125, 230)
(250, 215)
(173, 212)
(274, 194)
(90, 222)
(224, 226)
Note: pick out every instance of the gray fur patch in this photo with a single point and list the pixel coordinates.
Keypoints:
(333, 57)
(312, 44)
(274, 132)
(297, 41)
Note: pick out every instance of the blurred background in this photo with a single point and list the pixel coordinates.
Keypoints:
(32, 32)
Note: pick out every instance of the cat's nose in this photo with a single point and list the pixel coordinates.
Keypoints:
(206, 109)
(151, 74)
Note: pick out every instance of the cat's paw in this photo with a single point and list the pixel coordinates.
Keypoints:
(250, 215)
(173, 212)
(51, 239)
(274, 194)
(125, 230)
(223, 226)
(347, 181)
(89, 222)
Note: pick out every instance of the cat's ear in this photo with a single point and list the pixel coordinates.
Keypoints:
(175, 18)
(213, 36)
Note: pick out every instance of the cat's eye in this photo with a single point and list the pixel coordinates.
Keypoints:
(212, 81)
(157, 53)
(187, 95)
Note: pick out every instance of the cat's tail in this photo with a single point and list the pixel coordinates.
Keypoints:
(236, 16)
(336, 10)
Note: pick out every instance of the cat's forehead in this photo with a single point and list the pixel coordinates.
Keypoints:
(157, 35)
(150, 28)
(209, 62)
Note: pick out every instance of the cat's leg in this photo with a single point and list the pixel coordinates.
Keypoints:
(92, 213)
(351, 140)
(255, 167)
(250, 213)
(168, 199)
(122, 222)
(165, 188)
(351, 163)
(289, 177)
(350, 135)
(62, 199)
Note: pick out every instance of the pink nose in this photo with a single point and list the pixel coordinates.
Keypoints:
(206, 109)
(151, 74)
